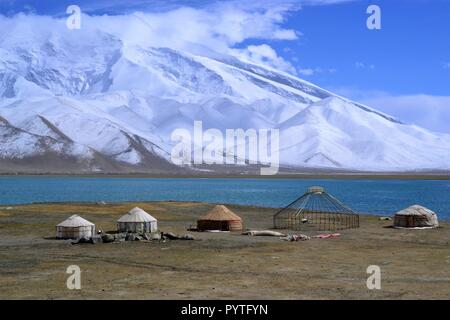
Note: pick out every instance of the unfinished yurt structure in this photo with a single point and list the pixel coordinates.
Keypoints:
(316, 210)
(220, 218)
(416, 217)
(137, 221)
(75, 227)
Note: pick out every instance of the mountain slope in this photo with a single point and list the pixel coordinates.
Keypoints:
(104, 105)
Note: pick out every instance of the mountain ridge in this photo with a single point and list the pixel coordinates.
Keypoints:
(120, 104)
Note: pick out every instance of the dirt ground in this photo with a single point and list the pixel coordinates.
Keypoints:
(415, 264)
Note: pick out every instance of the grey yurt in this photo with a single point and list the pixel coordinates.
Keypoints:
(316, 210)
(416, 217)
(75, 227)
(137, 221)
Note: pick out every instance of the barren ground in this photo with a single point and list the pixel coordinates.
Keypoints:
(415, 264)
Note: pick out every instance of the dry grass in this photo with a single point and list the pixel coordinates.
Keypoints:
(414, 264)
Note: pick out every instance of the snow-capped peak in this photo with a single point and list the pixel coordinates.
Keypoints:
(114, 105)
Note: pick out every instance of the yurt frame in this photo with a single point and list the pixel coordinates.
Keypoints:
(316, 210)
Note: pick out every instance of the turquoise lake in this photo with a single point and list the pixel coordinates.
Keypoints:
(380, 197)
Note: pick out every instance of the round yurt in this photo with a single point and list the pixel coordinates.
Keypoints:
(416, 217)
(137, 221)
(316, 210)
(220, 218)
(75, 227)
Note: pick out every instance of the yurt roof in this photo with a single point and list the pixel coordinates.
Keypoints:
(316, 199)
(75, 221)
(221, 213)
(415, 210)
(137, 215)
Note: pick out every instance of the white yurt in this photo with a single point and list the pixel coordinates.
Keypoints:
(416, 217)
(137, 221)
(75, 227)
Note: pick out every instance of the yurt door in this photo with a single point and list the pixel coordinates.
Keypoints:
(225, 226)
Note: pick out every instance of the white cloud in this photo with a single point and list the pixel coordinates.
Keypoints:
(216, 26)
(286, 35)
(432, 112)
(428, 111)
(447, 65)
(266, 55)
(219, 27)
(325, 2)
(313, 71)
(306, 72)
(124, 6)
(362, 65)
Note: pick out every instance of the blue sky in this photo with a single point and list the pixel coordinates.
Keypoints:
(407, 56)
(402, 69)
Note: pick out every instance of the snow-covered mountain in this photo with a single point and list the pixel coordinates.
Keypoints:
(101, 104)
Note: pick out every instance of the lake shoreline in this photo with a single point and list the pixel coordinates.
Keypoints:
(119, 203)
(299, 176)
(373, 196)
